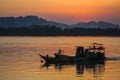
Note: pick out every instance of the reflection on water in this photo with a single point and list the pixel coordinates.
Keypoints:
(19, 59)
(96, 68)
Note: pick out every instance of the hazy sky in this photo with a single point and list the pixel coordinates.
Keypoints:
(66, 11)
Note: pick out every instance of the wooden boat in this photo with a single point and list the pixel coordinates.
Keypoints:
(96, 52)
(58, 58)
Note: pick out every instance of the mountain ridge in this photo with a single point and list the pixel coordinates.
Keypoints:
(34, 20)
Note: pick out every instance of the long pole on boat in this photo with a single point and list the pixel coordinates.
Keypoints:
(63, 51)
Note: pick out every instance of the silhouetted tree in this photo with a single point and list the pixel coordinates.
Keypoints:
(47, 30)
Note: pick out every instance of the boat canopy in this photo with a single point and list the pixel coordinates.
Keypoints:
(96, 46)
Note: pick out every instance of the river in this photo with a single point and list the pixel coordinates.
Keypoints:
(19, 59)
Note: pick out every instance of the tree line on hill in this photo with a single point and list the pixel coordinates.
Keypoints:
(47, 30)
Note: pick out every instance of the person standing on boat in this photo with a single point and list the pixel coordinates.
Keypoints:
(59, 52)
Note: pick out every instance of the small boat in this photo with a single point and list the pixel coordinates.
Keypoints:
(95, 52)
(58, 58)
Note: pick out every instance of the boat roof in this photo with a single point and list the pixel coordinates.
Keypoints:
(97, 44)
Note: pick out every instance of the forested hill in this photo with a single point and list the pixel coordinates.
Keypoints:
(46, 30)
(27, 21)
(34, 26)
(34, 20)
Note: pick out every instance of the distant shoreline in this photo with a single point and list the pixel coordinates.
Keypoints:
(47, 30)
(59, 36)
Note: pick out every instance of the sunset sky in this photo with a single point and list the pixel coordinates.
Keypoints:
(66, 11)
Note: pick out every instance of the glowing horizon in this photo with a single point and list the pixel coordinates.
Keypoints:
(66, 11)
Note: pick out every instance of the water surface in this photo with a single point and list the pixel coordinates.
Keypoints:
(19, 59)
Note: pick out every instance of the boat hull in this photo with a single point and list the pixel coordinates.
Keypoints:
(69, 59)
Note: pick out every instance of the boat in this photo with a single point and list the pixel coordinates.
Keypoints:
(95, 52)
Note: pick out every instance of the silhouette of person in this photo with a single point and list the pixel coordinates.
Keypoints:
(60, 51)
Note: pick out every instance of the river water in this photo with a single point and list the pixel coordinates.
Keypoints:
(19, 59)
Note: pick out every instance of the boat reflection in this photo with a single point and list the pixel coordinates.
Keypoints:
(96, 68)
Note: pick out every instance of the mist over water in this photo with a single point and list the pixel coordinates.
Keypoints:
(19, 59)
